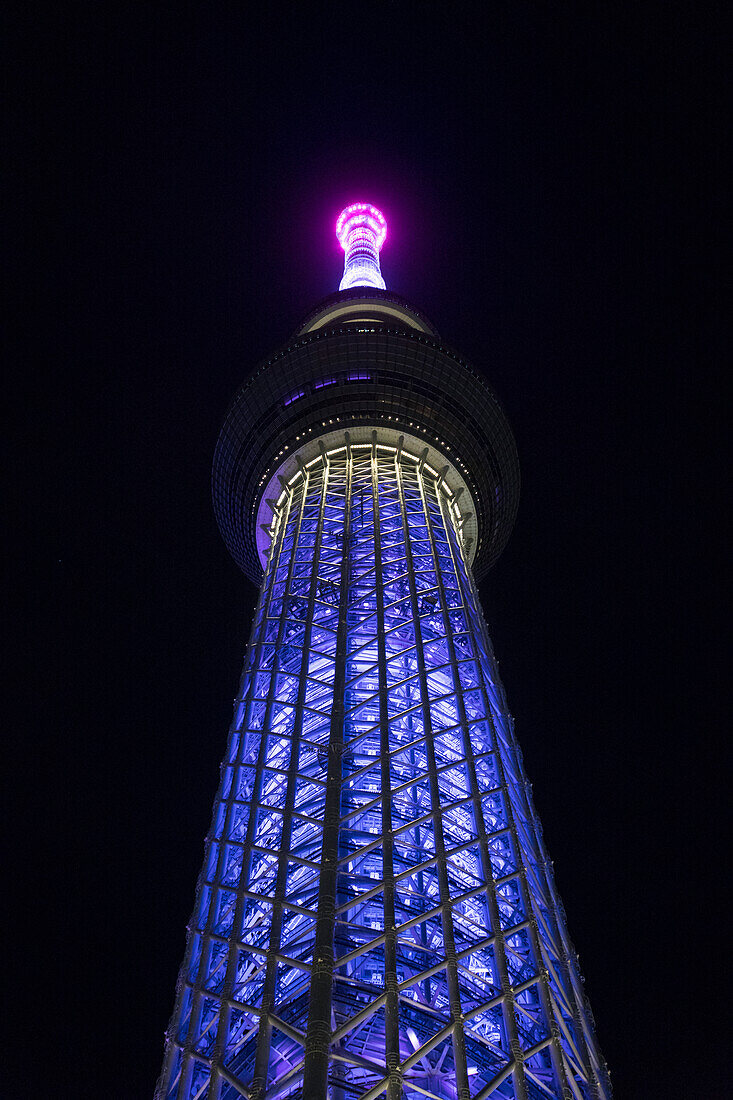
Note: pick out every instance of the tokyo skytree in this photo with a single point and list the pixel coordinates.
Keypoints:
(376, 915)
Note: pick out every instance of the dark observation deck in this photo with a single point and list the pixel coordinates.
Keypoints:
(364, 357)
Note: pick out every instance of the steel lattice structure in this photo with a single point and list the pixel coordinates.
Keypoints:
(377, 915)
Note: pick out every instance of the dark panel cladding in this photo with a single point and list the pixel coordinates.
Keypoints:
(386, 376)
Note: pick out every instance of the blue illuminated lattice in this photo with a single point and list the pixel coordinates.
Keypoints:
(376, 914)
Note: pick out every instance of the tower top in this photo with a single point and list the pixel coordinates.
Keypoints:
(361, 230)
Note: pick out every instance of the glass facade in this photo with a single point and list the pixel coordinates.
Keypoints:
(376, 915)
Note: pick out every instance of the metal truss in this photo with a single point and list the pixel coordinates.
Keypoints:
(377, 914)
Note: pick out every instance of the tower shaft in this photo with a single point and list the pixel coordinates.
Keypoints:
(376, 915)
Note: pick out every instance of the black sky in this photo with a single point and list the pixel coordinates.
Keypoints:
(551, 179)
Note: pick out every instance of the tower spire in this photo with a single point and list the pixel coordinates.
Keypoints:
(361, 230)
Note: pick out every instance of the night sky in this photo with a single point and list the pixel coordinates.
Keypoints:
(550, 177)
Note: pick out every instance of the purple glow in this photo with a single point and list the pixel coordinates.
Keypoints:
(437, 842)
(361, 230)
(361, 215)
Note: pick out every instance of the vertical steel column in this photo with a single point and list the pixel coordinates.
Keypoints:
(566, 964)
(318, 1037)
(261, 756)
(554, 929)
(507, 1004)
(391, 1010)
(555, 1048)
(459, 1040)
(265, 596)
(264, 1038)
(558, 929)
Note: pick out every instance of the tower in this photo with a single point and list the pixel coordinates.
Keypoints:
(376, 915)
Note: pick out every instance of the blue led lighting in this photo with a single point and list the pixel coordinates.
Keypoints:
(375, 888)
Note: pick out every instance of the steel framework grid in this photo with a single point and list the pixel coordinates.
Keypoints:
(376, 914)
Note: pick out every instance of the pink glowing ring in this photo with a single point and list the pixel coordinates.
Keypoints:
(361, 215)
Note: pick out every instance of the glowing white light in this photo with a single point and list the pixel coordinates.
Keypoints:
(361, 230)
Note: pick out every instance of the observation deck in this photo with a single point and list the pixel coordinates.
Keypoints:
(364, 359)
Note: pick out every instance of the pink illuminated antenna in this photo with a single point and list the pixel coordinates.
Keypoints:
(361, 230)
